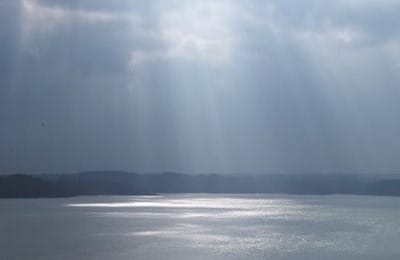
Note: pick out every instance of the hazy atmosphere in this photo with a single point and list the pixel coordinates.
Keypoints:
(200, 86)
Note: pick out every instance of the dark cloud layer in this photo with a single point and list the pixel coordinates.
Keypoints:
(199, 86)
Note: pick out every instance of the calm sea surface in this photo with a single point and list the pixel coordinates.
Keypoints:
(198, 226)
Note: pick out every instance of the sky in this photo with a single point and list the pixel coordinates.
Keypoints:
(200, 86)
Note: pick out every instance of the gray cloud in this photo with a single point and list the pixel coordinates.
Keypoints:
(199, 86)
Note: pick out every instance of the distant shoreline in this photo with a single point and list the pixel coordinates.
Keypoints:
(124, 183)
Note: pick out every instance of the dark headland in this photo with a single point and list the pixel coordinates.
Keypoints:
(123, 183)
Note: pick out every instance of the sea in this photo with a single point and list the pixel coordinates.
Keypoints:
(201, 226)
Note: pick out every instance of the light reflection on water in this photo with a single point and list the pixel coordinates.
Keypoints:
(201, 226)
(166, 202)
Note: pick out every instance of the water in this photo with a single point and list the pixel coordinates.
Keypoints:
(199, 226)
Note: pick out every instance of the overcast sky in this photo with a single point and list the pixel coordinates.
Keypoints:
(200, 86)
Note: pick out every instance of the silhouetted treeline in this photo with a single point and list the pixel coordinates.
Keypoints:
(25, 186)
(123, 183)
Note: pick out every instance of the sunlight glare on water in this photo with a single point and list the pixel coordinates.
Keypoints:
(200, 226)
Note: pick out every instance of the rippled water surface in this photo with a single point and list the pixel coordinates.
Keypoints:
(198, 226)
